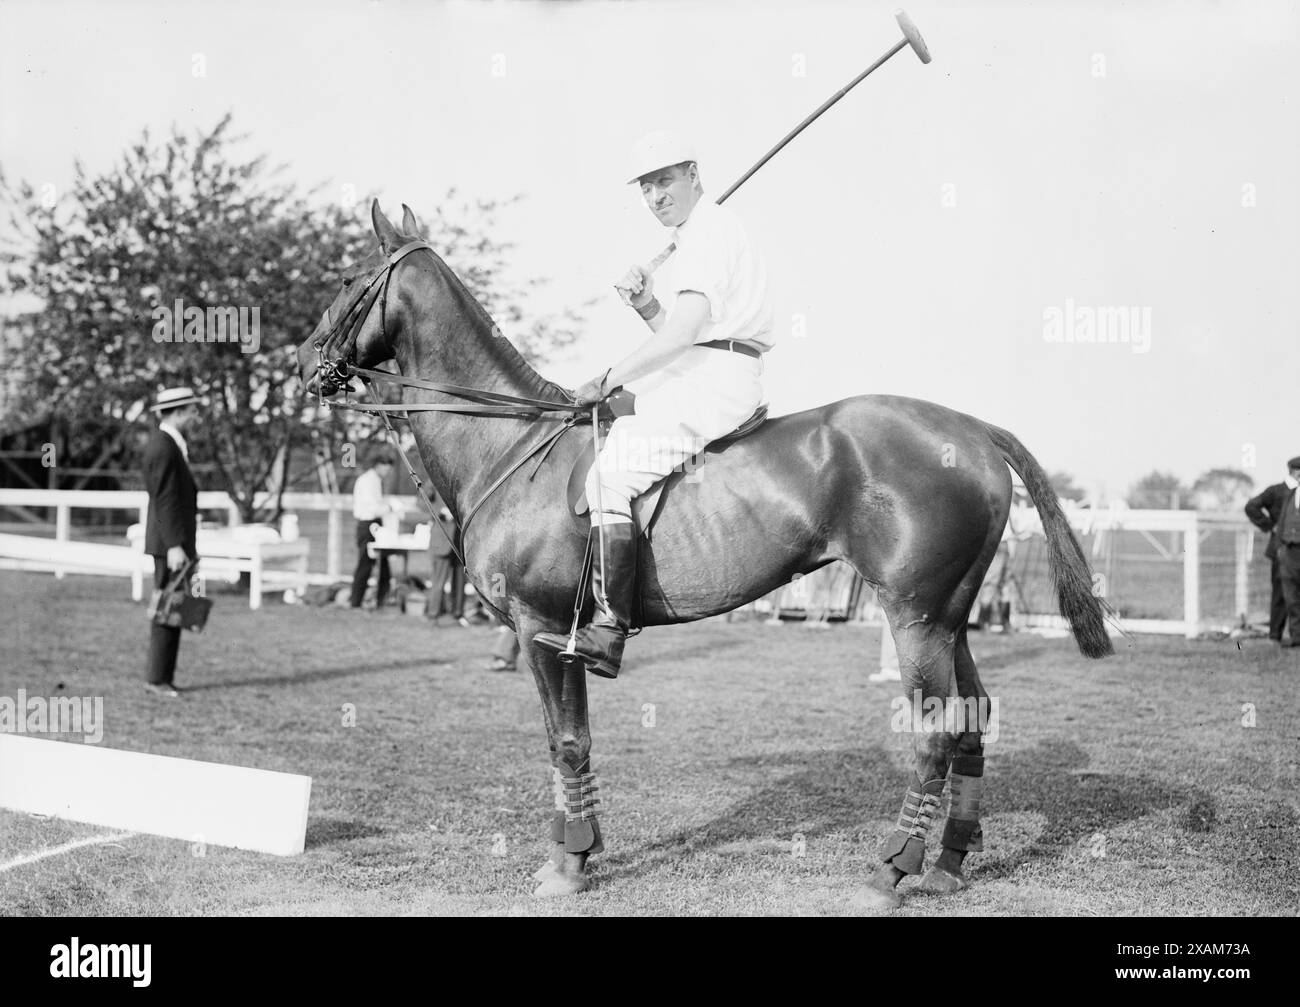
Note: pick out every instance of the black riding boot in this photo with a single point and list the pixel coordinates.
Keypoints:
(600, 643)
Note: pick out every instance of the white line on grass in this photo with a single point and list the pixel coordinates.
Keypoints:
(55, 851)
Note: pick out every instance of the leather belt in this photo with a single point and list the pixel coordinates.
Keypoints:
(733, 346)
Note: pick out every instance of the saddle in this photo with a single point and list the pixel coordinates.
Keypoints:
(646, 507)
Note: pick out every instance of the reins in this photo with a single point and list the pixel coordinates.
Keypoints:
(337, 374)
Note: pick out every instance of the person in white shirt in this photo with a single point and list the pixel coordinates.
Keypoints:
(696, 378)
(369, 506)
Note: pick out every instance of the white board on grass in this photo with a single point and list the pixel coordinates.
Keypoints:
(208, 802)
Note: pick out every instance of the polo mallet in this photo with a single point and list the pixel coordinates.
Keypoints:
(911, 37)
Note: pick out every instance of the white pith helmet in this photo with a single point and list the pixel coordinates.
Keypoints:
(659, 149)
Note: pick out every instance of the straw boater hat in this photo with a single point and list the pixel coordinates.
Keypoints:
(173, 398)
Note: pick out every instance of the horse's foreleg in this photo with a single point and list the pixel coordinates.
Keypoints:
(550, 685)
(962, 833)
(575, 829)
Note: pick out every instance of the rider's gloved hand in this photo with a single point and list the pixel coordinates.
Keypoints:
(636, 287)
(593, 391)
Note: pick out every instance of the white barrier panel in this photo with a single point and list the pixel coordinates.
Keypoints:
(208, 802)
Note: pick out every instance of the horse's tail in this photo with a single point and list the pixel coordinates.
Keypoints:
(1070, 572)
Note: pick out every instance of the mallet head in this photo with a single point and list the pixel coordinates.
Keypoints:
(912, 35)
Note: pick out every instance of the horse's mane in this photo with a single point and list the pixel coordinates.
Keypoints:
(503, 353)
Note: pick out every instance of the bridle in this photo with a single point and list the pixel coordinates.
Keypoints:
(334, 374)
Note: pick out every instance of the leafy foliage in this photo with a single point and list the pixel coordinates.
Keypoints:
(191, 219)
(1064, 487)
(1160, 491)
(1222, 489)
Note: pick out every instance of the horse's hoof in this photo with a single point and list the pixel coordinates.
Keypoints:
(545, 871)
(938, 881)
(872, 900)
(557, 884)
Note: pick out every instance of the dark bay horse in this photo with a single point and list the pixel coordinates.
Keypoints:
(912, 495)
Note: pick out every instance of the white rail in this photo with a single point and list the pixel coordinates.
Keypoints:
(1191, 525)
(338, 508)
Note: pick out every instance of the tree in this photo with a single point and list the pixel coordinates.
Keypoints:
(481, 263)
(1222, 489)
(187, 263)
(1159, 491)
(1063, 486)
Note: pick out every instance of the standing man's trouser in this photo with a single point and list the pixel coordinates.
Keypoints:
(446, 568)
(703, 395)
(164, 641)
(1289, 574)
(361, 576)
(1277, 604)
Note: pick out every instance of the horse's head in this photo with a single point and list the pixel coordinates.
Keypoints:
(352, 330)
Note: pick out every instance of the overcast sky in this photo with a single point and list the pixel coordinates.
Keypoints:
(930, 236)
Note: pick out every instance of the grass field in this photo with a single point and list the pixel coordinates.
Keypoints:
(1123, 787)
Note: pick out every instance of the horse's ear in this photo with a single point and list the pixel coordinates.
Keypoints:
(384, 230)
(410, 225)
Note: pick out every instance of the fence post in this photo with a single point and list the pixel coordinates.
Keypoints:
(334, 539)
(1191, 577)
(137, 576)
(62, 529)
(888, 650)
(1243, 574)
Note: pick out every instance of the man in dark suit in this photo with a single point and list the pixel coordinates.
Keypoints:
(445, 568)
(170, 522)
(1277, 511)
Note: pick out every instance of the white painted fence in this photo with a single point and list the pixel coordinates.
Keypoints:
(1187, 531)
(63, 555)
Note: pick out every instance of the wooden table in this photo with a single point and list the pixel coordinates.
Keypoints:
(226, 554)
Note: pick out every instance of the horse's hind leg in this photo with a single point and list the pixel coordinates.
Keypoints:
(962, 833)
(925, 657)
(575, 830)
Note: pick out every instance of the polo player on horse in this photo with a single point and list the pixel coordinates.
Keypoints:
(697, 377)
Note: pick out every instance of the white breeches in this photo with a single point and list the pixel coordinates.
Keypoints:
(702, 395)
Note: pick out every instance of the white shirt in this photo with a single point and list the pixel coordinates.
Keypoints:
(715, 257)
(368, 497)
(1292, 484)
(175, 435)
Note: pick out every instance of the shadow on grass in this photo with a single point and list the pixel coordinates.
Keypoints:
(1010, 659)
(635, 665)
(835, 792)
(988, 662)
(328, 831)
(322, 674)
